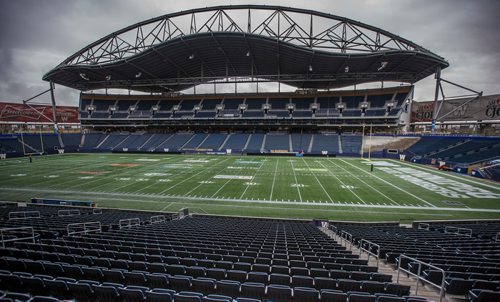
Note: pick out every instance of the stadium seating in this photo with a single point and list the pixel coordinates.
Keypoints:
(236, 141)
(301, 142)
(112, 140)
(457, 149)
(428, 144)
(133, 141)
(470, 260)
(10, 144)
(351, 144)
(277, 141)
(195, 141)
(92, 140)
(71, 140)
(281, 107)
(192, 259)
(213, 141)
(175, 142)
(255, 142)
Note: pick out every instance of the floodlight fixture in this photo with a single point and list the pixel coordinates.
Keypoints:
(382, 65)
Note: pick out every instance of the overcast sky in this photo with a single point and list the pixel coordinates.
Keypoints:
(36, 35)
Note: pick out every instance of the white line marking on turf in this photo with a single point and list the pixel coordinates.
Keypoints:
(165, 207)
(221, 187)
(347, 187)
(376, 190)
(274, 179)
(296, 181)
(169, 197)
(324, 190)
(186, 179)
(249, 183)
(411, 194)
(202, 183)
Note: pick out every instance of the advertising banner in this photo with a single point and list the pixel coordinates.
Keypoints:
(20, 113)
(482, 109)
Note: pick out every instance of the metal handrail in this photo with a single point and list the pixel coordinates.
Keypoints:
(344, 235)
(3, 230)
(450, 230)
(368, 250)
(96, 211)
(129, 222)
(334, 229)
(24, 214)
(157, 219)
(84, 228)
(420, 278)
(423, 226)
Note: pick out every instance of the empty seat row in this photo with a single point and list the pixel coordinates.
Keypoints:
(242, 263)
(85, 290)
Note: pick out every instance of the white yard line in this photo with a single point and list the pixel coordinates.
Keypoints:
(274, 179)
(145, 198)
(167, 206)
(324, 190)
(368, 185)
(126, 173)
(199, 185)
(411, 194)
(45, 167)
(296, 181)
(221, 187)
(254, 175)
(346, 186)
(186, 179)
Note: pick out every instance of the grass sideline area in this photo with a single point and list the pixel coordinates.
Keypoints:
(263, 186)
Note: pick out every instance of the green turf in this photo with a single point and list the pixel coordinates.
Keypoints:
(291, 187)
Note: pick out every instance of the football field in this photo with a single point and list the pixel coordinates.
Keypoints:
(264, 186)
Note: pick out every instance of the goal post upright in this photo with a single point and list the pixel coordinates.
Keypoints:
(362, 141)
(53, 100)
(22, 142)
(370, 144)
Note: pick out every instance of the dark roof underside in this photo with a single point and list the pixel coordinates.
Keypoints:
(205, 57)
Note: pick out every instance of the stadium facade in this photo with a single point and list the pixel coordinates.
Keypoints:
(58, 249)
(321, 55)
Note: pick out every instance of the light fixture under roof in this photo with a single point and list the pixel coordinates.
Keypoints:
(382, 65)
(248, 53)
(108, 78)
(84, 76)
(346, 69)
(310, 68)
(138, 75)
(191, 56)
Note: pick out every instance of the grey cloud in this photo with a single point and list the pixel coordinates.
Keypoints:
(462, 31)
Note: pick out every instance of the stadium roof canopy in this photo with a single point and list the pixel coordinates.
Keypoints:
(245, 43)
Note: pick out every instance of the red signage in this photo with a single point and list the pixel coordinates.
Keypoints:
(20, 113)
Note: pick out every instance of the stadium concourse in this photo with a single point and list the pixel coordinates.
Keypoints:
(315, 195)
